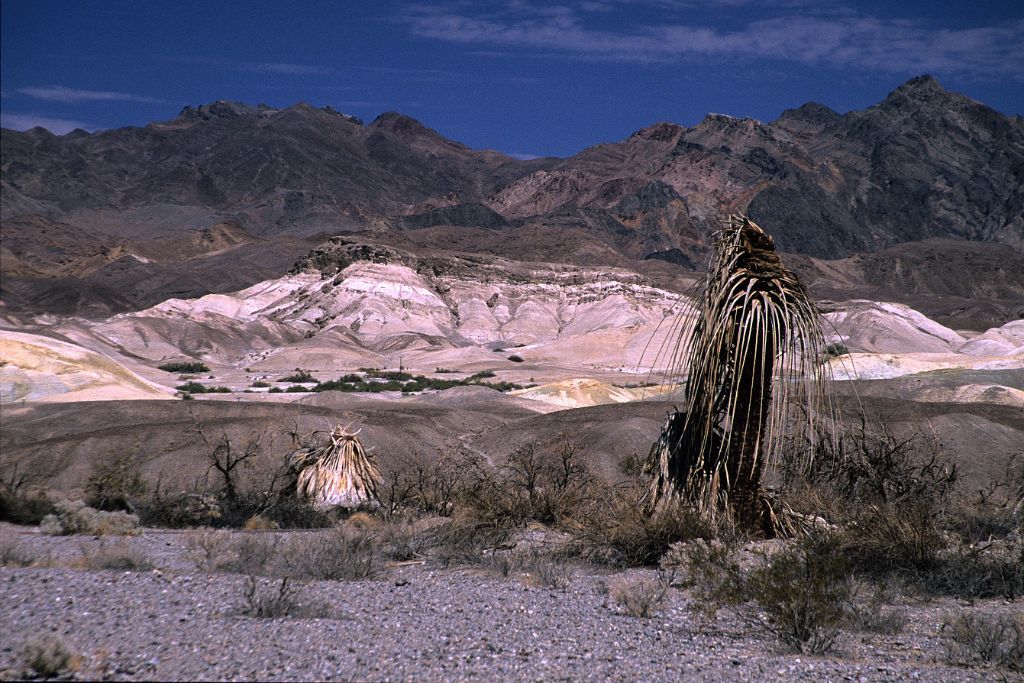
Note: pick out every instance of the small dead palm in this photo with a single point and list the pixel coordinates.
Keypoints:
(339, 473)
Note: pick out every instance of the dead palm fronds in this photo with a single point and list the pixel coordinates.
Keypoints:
(753, 352)
(338, 473)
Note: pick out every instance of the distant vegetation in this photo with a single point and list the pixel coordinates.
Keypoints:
(300, 377)
(836, 350)
(197, 388)
(184, 367)
(391, 380)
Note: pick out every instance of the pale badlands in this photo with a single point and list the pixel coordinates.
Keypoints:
(585, 336)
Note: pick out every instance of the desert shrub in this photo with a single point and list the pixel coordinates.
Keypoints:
(640, 597)
(803, 591)
(974, 572)
(239, 498)
(973, 638)
(871, 615)
(48, 656)
(191, 367)
(75, 517)
(229, 461)
(402, 542)
(259, 384)
(299, 377)
(419, 484)
(178, 511)
(20, 503)
(290, 512)
(615, 530)
(276, 602)
(881, 540)
(544, 570)
(504, 563)
(713, 573)
(24, 508)
(516, 358)
(882, 469)
(251, 554)
(115, 483)
(631, 465)
(260, 523)
(335, 555)
(13, 554)
(118, 556)
(996, 511)
(466, 541)
(876, 618)
(208, 549)
(912, 548)
(537, 568)
(531, 485)
(900, 514)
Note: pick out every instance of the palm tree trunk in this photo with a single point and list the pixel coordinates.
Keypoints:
(744, 461)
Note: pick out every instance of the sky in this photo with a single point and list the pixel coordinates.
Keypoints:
(525, 78)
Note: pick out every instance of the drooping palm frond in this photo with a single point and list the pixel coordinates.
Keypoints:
(753, 352)
(339, 473)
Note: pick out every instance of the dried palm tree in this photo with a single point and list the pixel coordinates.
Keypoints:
(338, 473)
(754, 352)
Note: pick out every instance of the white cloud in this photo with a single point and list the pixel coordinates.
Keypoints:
(839, 39)
(58, 93)
(288, 69)
(280, 68)
(56, 126)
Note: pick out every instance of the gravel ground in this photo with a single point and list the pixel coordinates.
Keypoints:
(415, 623)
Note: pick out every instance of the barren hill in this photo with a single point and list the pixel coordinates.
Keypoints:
(922, 164)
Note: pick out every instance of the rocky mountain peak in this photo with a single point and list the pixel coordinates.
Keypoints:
(810, 112)
(348, 117)
(415, 134)
(661, 131)
(220, 109)
(922, 83)
(402, 125)
(713, 118)
(39, 132)
(919, 90)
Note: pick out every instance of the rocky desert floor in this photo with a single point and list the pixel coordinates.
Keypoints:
(165, 618)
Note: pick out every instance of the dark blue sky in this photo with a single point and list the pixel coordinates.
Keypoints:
(526, 78)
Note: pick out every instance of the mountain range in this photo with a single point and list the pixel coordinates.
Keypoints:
(876, 203)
